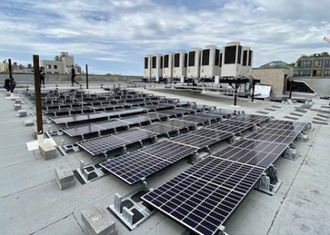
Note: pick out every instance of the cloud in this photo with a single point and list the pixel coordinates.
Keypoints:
(124, 31)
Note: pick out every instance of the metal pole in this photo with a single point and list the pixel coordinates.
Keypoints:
(37, 94)
(10, 76)
(253, 86)
(86, 76)
(235, 97)
(291, 84)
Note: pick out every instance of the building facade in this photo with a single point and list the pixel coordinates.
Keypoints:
(317, 65)
(61, 64)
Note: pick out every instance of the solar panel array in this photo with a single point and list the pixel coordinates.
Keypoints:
(203, 197)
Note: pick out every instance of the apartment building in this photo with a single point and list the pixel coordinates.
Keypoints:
(61, 64)
(317, 65)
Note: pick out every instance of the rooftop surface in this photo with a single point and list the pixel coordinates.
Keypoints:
(32, 203)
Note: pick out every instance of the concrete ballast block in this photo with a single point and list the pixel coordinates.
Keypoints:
(17, 107)
(64, 177)
(18, 101)
(22, 113)
(7, 94)
(98, 221)
(28, 123)
(47, 151)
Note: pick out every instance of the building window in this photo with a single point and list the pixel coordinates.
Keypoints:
(327, 63)
(295, 73)
(306, 64)
(317, 73)
(48, 66)
(326, 73)
(304, 73)
(191, 58)
(55, 66)
(56, 72)
(318, 63)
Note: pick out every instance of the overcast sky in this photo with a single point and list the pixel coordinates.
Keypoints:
(113, 36)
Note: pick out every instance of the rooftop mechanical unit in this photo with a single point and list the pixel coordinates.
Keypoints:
(168, 65)
(157, 67)
(180, 64)
(210, 62)
(232, 60)
(147, 66)
(247, 62)
(194, 63)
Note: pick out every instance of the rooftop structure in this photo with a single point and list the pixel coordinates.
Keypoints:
(61, 64)
(34, 204)
(316, 65)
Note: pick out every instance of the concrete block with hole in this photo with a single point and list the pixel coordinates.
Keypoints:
(98, 221)
(64, 177)
(22, 113)
(47, 151)
(28, 123)
(17, 107)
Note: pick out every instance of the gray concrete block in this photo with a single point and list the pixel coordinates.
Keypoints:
(98, 221)
(47, 151)
(17, 107)
(7, 94)
(22, 113)
(18, 101)
(28, 123)
(35, 133)
(64, 177)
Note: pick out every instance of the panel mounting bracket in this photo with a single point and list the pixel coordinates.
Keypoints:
(130, 209)
(269, 182)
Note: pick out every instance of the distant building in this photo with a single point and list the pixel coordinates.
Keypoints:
(275, 74)
(61, 64)
(4, 67)
(317, 65)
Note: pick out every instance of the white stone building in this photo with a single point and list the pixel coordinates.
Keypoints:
(62, 64)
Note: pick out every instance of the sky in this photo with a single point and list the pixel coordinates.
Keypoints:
(113, 36)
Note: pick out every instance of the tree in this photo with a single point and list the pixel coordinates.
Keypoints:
(292, 64)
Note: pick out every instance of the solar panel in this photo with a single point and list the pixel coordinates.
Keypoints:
(286, 125)
(142, 163)
(95, 127)
(273, 135)
(252, 118)
(197, 120)
(213, 134)
(173, 113)
(231, 126)
(160, 129)
(179, 124)
(85, 117)
(203, 197)
(104, 144)
(252, 152)
(199, 141)
(156, 116)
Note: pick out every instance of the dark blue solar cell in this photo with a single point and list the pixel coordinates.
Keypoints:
(167, 209)
(194, 217)
(204, 231)
(177, 215)
(213, 221)
(209, 225)
(190, 222)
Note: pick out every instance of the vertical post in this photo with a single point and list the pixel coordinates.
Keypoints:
(235, 96)
(253, 86)
(37, 95)
(291, 85)
(86, 76)
(10, 76)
